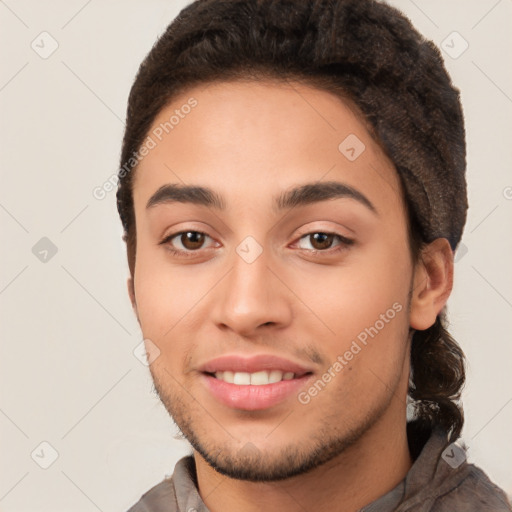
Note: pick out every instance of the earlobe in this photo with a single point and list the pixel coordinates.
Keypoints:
(432, 284)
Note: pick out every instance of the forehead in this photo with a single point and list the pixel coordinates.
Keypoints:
(251, 139)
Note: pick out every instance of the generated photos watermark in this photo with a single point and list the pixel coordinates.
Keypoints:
(357, 345)
(150, 143)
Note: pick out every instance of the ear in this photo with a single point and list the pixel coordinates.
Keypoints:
(131, 293)
(432, 283)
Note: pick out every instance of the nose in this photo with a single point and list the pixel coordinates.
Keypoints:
(252, 296)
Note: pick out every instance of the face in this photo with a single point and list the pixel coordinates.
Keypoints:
(276, 296)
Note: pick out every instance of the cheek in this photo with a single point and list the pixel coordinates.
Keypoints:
(169, 301)
(364, 306)
(160, 294)
(366, 357)
(357, 297)
(162, 306)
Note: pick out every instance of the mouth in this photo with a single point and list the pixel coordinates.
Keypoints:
(253, 383)
(254, 391)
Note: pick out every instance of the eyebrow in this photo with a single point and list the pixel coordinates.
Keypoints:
(298, 196)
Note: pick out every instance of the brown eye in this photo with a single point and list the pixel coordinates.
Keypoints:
(185, 243)
(321, 241)
(192, 240)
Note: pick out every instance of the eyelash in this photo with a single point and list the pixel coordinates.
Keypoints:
(190, 254)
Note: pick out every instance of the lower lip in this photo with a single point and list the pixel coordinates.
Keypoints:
(253, 398)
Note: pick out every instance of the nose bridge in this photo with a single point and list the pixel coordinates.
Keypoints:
(251, 295)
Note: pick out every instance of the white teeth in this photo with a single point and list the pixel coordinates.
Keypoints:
(275, 376)
(242, 378)
(228, 377)
(259, 378)
(255, 379)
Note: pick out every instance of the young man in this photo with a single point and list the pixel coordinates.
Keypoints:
(292, 188)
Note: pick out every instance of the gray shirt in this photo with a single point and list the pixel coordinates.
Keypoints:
(440, 480)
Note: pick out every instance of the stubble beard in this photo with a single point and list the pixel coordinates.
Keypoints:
(244, 461)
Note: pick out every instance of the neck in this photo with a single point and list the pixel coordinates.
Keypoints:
(368, 469)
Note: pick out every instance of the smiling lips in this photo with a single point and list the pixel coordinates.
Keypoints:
(253, 383)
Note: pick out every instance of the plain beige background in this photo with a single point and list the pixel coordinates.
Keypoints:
(69, 376)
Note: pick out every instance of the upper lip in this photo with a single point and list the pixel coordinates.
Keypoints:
(252, 364)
